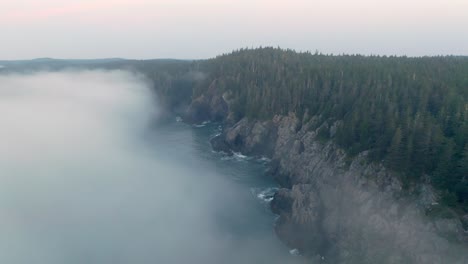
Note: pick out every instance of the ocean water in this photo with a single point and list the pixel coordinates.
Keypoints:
(241, 191)
(89, 175)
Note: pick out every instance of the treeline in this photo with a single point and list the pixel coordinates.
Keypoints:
(410, 113)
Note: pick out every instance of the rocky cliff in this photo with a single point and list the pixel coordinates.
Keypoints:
(209, 106)
(341, 208)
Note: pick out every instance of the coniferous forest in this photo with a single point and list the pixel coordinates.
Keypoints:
(409, 113)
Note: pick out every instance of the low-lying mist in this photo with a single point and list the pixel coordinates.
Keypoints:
(80, 184)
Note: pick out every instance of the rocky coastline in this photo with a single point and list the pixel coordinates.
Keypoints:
(340, 208)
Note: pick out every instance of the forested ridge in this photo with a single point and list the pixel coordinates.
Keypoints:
(410, 113)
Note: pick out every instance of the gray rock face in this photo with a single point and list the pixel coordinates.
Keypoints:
(251, 138)
(209, 106)
(348, 210)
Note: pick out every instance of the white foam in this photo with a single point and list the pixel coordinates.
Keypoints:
(295, 252)
(179, 119)
(239, 155)
(203, 124)
(265, 198)
(235, 156)
(264, 160)
(226, 157)
(265, 195)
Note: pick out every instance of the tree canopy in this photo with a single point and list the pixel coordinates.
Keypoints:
(410, 113)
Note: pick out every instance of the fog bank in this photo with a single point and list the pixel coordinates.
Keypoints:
(80, 184)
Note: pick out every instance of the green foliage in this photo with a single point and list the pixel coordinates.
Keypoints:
(409, 112)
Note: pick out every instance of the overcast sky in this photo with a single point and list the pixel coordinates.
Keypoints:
(205, 28)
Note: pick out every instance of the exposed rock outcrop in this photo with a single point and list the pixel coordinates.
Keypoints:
(250, 138)
(345, 209)
(209, 106)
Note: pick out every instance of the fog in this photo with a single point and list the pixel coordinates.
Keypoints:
(81, 183)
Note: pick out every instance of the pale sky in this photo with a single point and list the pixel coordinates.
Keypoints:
(191, 29)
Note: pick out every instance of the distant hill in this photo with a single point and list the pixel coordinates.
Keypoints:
(53, 63)
(60, 60)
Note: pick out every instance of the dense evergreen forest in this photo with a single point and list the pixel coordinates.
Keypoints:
(410, 113)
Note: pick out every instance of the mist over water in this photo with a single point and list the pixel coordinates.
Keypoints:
(87, 176)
